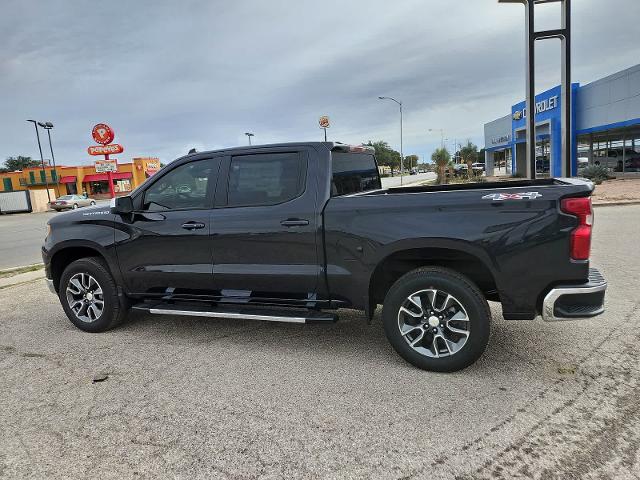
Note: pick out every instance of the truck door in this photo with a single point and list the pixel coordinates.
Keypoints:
(265, 226)
(164, 247)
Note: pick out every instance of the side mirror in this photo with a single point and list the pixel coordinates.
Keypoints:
(122, 205)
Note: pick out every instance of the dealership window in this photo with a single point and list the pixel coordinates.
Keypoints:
(266, 179)
(616, 150)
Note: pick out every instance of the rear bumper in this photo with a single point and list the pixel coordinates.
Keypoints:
(574, 302)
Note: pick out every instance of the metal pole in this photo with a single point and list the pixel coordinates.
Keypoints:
(567, 121)
(401, 151)
(325, 134)
(53, 159)
(531, 91)
(46, 183)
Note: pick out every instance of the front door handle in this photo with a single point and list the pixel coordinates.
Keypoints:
(193, 225)
(294, 222)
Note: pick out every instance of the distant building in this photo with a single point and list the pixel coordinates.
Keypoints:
(77, 179)
(606, 130)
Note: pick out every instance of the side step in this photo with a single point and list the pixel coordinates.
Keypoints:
(239, 313)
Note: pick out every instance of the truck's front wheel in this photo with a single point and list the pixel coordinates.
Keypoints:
(89, 296)
(437, 319)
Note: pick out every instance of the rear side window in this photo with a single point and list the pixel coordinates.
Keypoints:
(265, 179)
(353, 173)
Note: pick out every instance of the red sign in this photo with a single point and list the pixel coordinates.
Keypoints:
(105, 149)
(324, 122)
(102, 133)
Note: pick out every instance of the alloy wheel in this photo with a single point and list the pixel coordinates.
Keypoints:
(85, 297)
(434, 323)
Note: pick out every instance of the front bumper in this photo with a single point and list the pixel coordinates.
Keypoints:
(574, 302)
(52, 289)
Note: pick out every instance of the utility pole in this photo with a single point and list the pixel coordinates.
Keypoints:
(48, 126)
(401, 152)
(44, 171)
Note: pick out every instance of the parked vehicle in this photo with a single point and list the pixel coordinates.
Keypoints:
(66, 202)
(478, 168)
(293, 232)
(612, 158)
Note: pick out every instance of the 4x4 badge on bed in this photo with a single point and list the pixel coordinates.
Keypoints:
(512, 196)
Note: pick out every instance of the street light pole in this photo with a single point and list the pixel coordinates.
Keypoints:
(48, 126)
(249, 135)
(46, 183)
(401, 151)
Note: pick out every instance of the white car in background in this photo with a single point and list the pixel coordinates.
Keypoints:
(72, 202)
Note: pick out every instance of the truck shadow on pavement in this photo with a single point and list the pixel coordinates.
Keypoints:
(351, 338)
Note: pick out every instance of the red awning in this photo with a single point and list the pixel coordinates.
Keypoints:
(97, 177)
(121, 175)
(104, 177)
(68, 179)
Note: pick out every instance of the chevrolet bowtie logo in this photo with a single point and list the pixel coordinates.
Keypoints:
(517, 115)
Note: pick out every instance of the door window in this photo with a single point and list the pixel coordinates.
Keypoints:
(185, 187)
(266, 179)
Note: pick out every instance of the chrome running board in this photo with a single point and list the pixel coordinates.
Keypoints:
(247, 313)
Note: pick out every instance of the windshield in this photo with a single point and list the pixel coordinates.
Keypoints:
(353, 173)
(65, 197)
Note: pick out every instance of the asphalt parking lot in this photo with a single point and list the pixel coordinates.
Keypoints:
(195, 398)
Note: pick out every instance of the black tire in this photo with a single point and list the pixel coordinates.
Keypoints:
(75, 205)
(115, 308)
(467, 295)
(92, 203)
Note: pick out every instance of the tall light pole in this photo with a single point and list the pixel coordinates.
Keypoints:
(249, 135)
(401, 152)
(441, 135)
(48, 126)
(46, 183)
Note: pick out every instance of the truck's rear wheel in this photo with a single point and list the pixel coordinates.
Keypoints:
(89, 296)
(437, 319)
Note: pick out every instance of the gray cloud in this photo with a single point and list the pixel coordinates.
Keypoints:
(171, 75)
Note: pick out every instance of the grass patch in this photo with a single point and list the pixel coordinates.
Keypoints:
(12, 272)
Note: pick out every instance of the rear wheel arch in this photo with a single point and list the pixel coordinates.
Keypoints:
(400, 262)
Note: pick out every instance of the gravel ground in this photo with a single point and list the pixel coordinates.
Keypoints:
(194, 398)
(619, 190)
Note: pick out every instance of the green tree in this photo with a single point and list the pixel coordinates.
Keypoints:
(469, 155)
(410, 161)
(441, 157)
(20, 163)
(385, 155)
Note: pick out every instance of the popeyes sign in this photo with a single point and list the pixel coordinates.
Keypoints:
(104, 135)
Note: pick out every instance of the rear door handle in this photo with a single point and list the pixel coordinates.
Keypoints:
(193, 225)
(294, 222)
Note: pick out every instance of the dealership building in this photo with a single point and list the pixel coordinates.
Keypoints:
(605, 130)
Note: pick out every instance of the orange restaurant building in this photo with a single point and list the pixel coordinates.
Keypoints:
(84, 178)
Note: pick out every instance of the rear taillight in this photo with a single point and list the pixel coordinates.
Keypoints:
(581, 236)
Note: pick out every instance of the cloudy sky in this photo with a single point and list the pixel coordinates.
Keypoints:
(172, 75)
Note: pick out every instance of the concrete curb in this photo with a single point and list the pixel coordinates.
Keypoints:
(13, 269)
(21, 278)
(616, 204)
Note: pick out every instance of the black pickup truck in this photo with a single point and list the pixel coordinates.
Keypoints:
(294, 232)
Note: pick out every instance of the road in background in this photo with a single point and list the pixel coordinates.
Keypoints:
(197, 398)
(389, 182)
(22, 234)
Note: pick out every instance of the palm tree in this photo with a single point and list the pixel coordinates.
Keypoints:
(441, 158)
(469, 155)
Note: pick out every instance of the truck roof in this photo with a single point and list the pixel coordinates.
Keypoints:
(331, 146)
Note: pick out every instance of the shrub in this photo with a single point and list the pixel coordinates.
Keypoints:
(596, 173)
